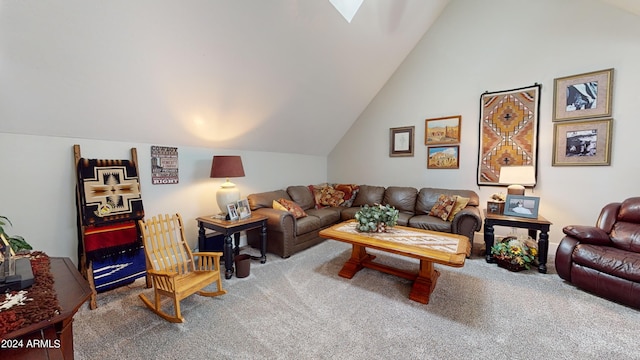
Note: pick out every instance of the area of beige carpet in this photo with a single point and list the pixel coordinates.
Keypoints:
(299, 308)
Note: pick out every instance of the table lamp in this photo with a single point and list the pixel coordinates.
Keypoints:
(517, 177)
(227, 167)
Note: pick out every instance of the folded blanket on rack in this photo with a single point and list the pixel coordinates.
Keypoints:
(111, 240)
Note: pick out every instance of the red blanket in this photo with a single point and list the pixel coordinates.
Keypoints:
(111, 239)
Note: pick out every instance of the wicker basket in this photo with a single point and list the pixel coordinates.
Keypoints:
(506, 264)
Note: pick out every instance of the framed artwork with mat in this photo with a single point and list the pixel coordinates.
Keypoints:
(508, 131)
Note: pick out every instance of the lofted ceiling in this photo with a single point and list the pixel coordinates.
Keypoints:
(279, 75)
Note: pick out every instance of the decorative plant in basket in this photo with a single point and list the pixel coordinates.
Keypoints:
(376, 218)
(515, 254)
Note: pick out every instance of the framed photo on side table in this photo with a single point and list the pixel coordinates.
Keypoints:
(401, 141)
(583, 96)
(522, 206)
(232, 211)
(243, 209)
(582, 143)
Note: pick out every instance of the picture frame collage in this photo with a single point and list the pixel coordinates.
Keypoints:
(442, 138)
(582, 110)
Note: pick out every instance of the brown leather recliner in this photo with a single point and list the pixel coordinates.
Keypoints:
(605, 259)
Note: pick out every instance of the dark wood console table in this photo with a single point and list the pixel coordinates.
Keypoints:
(533, 225)
(56, 333)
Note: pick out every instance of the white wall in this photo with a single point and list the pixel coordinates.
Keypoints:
(491, 45)
(38, 184)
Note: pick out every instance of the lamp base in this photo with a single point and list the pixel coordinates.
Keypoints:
(227, 194)
(515, 190)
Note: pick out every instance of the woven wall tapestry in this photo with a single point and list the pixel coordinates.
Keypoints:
(508, 131)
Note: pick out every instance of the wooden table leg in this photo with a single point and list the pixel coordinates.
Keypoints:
(425, 282)
(354, 264)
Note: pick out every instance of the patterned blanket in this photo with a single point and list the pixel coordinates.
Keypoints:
(508, 131)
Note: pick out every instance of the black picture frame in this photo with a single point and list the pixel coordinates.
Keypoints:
(522, 206)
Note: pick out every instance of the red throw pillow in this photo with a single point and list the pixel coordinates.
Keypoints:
(292, 207)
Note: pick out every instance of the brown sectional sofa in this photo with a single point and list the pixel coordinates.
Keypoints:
(287, 235)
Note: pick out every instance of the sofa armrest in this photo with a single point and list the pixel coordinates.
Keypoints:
(467, 222)
(564, 255)
(588, 234)
(278, 220)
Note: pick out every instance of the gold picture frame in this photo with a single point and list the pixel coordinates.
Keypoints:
(442, 130)
(401, 141)
(582, 143)
(583, 96)
(443, 157)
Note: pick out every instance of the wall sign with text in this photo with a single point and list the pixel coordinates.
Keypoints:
(164, 165)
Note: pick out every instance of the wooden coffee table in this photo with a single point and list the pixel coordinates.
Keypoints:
(428, 246)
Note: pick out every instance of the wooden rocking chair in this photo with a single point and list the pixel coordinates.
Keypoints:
(171, 265)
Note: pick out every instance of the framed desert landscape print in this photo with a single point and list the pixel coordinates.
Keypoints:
(583, 96)
(443, 157)
(401, 141)
(443, 130)
(582, 143)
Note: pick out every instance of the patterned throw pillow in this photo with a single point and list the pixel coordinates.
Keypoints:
(442, 208)
(350, 191)
(290, 206)
(326, 195)
(461, 203)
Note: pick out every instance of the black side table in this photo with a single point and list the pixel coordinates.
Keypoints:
(233, 227)
(533, 225)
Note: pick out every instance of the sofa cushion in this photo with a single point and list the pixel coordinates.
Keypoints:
(302, 195)
(290, 206)
(265, 199)
(442, 208)
(428, 222)
(626, 236)
(306, 225)
(328, 216)
(369, 195)
(350, 192)
(401, 198)
(610, 260)
(461, 203)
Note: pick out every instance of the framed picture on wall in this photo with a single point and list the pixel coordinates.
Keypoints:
(401, 141)
(443, 130)
(523, 206)
(443, 157)
(583, 96)
(582, 143)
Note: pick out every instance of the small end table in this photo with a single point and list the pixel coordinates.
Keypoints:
(233, 227)
(533, 225)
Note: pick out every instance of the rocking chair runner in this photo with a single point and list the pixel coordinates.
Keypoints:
(171, 265)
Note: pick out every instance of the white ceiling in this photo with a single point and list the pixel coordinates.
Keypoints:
(279, 75)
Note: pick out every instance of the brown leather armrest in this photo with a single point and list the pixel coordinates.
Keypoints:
(588, 234)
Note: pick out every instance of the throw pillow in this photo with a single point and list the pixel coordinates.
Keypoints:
(292, 207)
(461, 203)
(276, 205)
(442, 208)
(350, 191)
(327, 195)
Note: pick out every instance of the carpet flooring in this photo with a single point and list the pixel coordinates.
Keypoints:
(299, 308)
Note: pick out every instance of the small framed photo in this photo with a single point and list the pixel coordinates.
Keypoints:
(443, 157)
(582, 143)
(401, 141)
(232, 211)
(444, 130)
(583, 96)
(243, 209)
(522, 206)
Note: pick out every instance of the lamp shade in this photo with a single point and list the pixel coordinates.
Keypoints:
(227, 167)
(517, 177)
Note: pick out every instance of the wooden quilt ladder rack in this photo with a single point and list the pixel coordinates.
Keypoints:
(85, 265)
